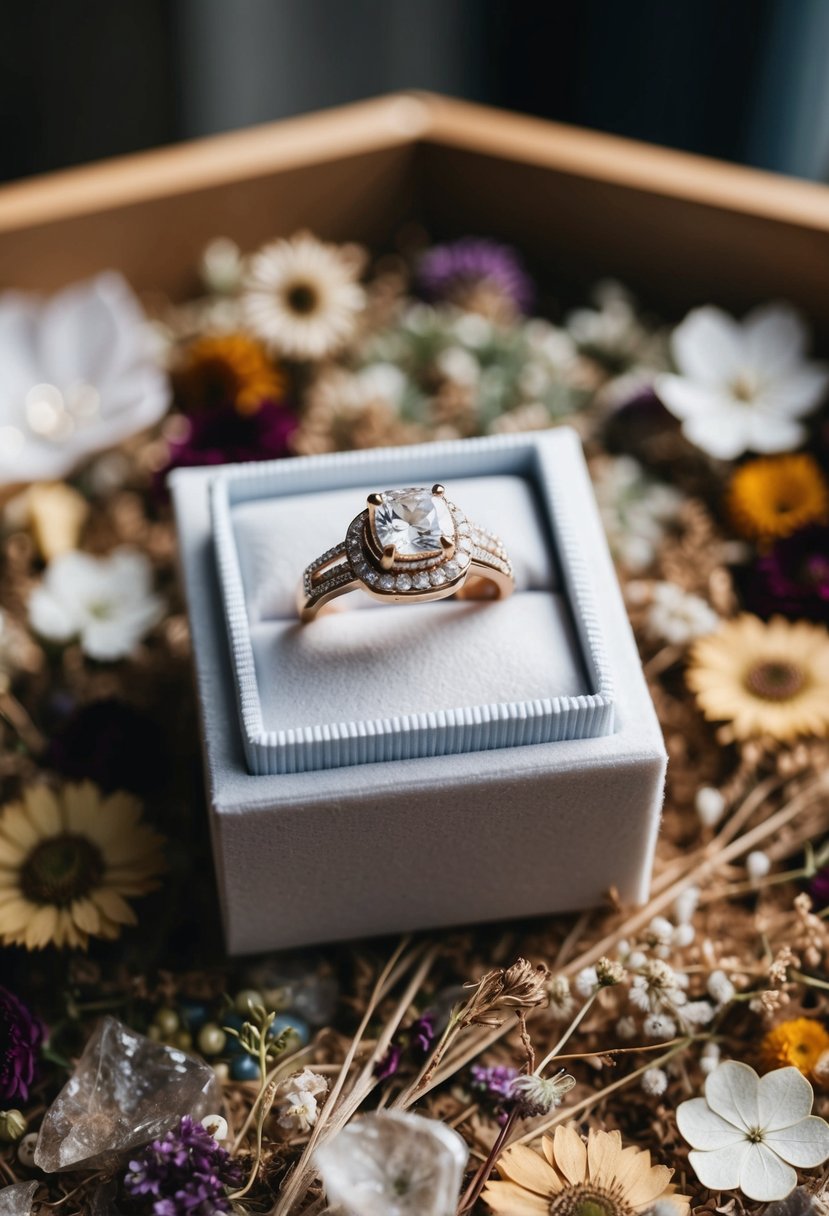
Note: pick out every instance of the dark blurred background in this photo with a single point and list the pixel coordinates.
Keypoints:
(745, 80)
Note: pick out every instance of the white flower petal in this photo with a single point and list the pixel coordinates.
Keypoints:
(804, 1144)
(708, 346)
(724, 434)
(685, 398)
(775, 337)
(50, 618)
(768, 432)
(720, 1169)
(763, 1176)
(731, 1090)
(784, 1097)
(799, 392)
(703, 1128)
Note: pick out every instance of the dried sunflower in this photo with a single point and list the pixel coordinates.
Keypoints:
(600, 1178)
(775, 496)
(799, 1042)
(765, 678)
(68, 862)
(227, 369)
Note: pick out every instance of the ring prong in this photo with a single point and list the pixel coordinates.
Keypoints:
(447, 544)
(374, 500)
(437, 488)
(387, 560)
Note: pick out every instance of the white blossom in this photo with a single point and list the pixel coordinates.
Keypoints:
(222, 266)
(757, 865)
(586, 981)
(720, 988)
(685, 905)
(635, 510)
(682, 936)
(749, 1131)
(659, 1026)
(743, 386)
(296, 1105)
(562, 1006)
(106, 602)
(656, 986)
(77, 375)
(710, 1057)
(654, 1081)
(697, 1013)
(626, 1027)
(677, 617)
(710, 805)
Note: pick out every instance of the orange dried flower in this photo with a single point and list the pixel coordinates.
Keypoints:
(799, 1042)
(227, 369)
(775, 496)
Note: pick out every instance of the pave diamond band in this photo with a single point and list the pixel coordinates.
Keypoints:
(410, 545)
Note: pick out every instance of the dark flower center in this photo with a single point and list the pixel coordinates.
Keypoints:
(775, 680)
(586, 1200)
(302, 298)
(61, 869)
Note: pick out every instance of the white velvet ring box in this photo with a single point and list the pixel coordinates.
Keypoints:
(395, 767)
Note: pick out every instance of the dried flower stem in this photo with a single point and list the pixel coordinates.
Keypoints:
(569, 1032)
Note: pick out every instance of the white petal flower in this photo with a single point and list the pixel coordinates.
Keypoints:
(720, 987)
(106, 602)
(748, 1131)
(678, 617)
(77, 376)
(743, 386)
(393, 1164)
(586, 982)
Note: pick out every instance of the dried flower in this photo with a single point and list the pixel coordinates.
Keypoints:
(78, 376)
(562, 1006)
(742, 386)
(586, 982)
(635, 510)
(21, 1035)
(222, 266)
(297, 1105)
(223, 370)
(572, 1177)
(13, 1124)
(720, 987)
(67, 862)
(185, 1173)
(710, 805)
(106, 602)
(749, 1131)
(520, 986)
(764, 678)
(757, 865)
(609, 972)
(678, 617)
(654, 1081)
(774, 497)
(656, 987)
(224, 436)
(659, 1027)
(478, 275)
(612, 333)
(302, 297)
(535, 1095)
(792, 578)
(414, 1041)
(799, 1042)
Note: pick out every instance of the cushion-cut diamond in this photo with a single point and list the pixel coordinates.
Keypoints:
(413, 521)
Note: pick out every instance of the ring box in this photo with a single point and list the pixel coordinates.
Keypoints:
(424, 801)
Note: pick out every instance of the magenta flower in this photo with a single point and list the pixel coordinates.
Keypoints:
(224, 436)
(21, 1035)
(792, 579)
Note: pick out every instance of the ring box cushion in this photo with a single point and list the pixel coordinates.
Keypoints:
(477, 835)
(410, 679)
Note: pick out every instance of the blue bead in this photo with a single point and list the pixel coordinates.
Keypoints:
(301, 1029)
(244, 1068)
(234, 1047)
(194, 1014)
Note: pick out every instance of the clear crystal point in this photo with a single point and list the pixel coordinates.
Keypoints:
(413, 521)
(393, 1164)
(17, 1200)
(125, 1091)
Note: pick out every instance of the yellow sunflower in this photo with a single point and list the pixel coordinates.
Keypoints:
(765, 678)
(227, 368)
(68, 862)
(777, 495)
(600, 1178)
(799, 1042)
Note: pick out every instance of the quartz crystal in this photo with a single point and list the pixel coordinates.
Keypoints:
(17, 1200)
(393, 1164)
(413, 521)
(125, 1091)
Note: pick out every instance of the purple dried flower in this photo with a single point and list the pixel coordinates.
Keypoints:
(414, 1042)
(224, 436)
(185, 1173)
(494, 1087)
(792, 579)
(112, 744)
(819, 889)
(449, 272)
(20, 1037)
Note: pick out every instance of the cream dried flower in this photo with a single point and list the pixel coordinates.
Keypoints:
(302, 297)
(677, 617)
(743, 386)
(106, 602)
(748, 1132)
(520, 986)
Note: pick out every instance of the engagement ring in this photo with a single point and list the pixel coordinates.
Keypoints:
(409, 546)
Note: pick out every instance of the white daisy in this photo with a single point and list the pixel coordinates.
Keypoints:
(749, 1131)
(743, 386)
(77, 375)
(302, 297)
(106, 602)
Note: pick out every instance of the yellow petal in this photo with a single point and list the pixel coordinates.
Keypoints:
(506, 1199)
(112, 906)
(85, 915)
(603, 1152)
(41, 928)
(570, 1154)
(15, 915)
(649, 1187)
(528, 1169)
(44, 810)
(16, 826)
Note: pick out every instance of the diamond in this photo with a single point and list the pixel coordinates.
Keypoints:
(404, 582)
(413, 521)
(465, 543)
(451, 570)
(437, 578)
(463, 528)
(387, 582)
(462, 559)
(371, 576)
(421, 581)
